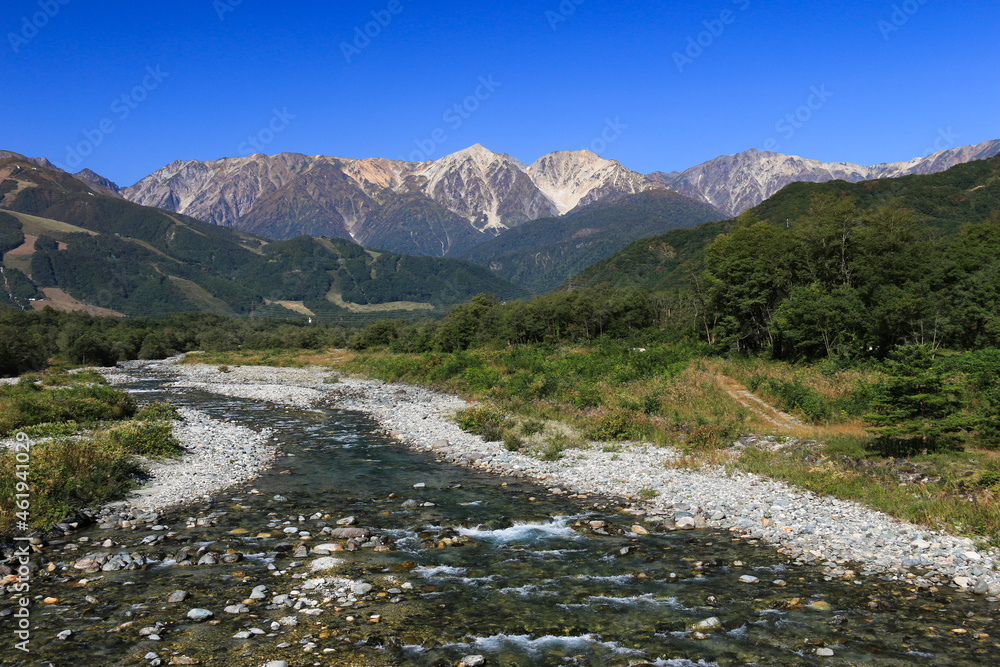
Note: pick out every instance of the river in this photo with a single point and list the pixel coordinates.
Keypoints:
(462, 564)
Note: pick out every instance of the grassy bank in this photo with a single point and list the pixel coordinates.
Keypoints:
(92, 435)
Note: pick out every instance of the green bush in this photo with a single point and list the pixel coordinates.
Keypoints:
(65, 475)
(708, 436)
(553, 448)
(621, 424)
(157, 412)
(51, 429)
(531, 426)
(153, 438)
(512, 441)
(796, 397)
(24, 405)
(485, 420)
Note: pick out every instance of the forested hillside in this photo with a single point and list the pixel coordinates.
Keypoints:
(542, 254)
(67, 246)
(837, 269)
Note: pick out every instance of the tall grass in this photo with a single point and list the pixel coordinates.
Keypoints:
(29, 404)
(64, 476)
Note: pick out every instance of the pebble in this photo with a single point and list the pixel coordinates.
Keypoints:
(199, 615)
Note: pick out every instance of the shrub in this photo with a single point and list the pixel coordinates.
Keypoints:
(621, 424)
(530, 427)
(146, 438)
(795, 396)
(157, 412)
(486, 420)
(512, 441)
(65, 475)
(554, 446)
(713, 436)
(26, 405)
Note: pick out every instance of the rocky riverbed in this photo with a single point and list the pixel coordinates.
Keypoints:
(849, 539)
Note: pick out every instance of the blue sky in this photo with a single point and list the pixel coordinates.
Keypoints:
(124, 88)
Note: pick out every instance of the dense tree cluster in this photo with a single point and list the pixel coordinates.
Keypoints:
(850, 283)
(579, 315)
(28, 340)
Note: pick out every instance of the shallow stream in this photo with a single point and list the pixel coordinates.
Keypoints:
(526, 581)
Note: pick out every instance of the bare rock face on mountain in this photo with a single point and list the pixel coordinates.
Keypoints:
(735, 183)
(491, 189)
(436, 207)
(576, 178)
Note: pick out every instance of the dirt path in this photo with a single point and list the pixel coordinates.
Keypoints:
(752, 402)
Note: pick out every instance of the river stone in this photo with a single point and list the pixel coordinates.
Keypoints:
(349, 533)
(64, 635)
(347, 521)
(237, 609)
(207, 559)
(639, 530)
(710, 624)
(243, 635)
(325, 563)
(178, 596)
(684, 521)
(824, 652)
(280, 499)
(473, 661)
(748, 579)
(982, 586)
(962, 582)
(327, 549)
(199, 615)
(276, 663)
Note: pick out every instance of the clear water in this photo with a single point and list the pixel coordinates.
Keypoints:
(534, 585)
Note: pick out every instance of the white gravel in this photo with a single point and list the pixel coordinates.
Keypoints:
(219, 454)
(843, 536)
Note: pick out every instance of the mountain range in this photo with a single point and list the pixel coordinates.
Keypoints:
(67, 243)
(735, 183)
(448, 206)
(440, 208)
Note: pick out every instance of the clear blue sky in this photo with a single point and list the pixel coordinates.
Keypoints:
(886, 80)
